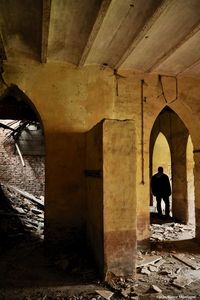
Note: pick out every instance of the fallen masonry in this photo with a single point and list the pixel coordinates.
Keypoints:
(163, 271)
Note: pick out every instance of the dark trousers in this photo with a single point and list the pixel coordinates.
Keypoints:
(166, 200)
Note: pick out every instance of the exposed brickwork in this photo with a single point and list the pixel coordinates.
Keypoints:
(30, 178)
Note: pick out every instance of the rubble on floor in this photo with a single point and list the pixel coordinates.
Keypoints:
(27, 209)
(165, 271)
(173, 264)
(171, 232)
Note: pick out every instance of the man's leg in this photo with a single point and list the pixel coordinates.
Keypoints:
(159, 209)
(166, 200)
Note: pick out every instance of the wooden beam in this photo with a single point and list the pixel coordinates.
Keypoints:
(46, 4)
(99, 20)
(158, 12)
(188, 36)
(194, 64)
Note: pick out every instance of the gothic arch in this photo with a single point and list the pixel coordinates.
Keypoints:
(176, 133)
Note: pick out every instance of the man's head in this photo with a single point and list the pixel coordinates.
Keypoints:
(160, 169)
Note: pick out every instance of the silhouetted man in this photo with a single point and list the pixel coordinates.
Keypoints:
(161, 188)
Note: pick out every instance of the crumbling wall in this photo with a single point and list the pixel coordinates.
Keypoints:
(30, 178)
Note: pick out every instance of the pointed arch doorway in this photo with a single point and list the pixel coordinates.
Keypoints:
(161, 157)
(171, 147)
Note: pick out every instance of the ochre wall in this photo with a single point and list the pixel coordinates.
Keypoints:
(69, 101)
(72, 100)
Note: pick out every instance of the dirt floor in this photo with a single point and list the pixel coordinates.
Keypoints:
(169, 269)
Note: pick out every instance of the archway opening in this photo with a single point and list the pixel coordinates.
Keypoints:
(161, 157)
(171, 148)
(22, 185)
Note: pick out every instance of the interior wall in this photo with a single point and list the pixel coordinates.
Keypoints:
(72, 100)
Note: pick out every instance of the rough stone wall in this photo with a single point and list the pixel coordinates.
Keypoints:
(30, 178)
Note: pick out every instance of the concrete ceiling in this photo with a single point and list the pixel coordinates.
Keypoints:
(161, 36)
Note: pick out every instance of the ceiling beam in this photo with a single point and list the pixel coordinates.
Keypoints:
(194, 64)
(46, 10)
(158, 12)
(165, 56)
(2, 49)
(98, 22)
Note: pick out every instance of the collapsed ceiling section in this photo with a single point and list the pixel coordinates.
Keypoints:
(161, 36)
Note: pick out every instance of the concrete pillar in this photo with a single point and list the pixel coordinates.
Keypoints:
(112, 204)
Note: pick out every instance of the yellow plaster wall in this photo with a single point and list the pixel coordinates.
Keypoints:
(71, 100)
(184, 101)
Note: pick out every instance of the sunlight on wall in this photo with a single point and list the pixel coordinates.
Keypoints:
(190, 182)
(161, 157)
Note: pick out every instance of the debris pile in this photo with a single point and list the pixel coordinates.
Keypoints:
(27, 209)
(160, 274)
(172, 272)
(171, 231)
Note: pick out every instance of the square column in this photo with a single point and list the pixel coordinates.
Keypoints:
(116, 188)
